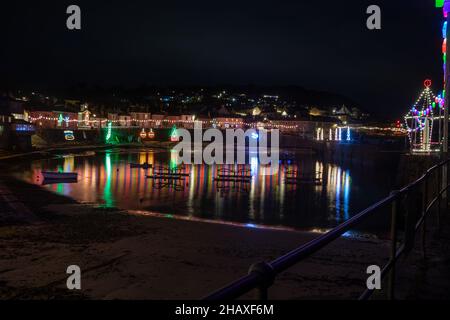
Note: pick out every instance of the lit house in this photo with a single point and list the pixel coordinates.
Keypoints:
(228, 122)
(15, 133)
(125, 120)
(158, 120)
(141, 119)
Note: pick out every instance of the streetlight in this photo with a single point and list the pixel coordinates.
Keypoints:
(445, 4)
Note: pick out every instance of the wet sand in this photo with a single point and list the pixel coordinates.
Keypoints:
(127, 256)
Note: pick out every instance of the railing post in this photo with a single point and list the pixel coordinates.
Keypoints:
(424, 214)
(391, 292)
(446, 184)
(265, 271)
(440, 173)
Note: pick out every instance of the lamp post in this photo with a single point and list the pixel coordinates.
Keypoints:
(446, 8)
(447, 79)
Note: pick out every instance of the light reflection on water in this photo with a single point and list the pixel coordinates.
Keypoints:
(107, 179)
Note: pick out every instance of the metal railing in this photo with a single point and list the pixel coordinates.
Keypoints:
(261, 276)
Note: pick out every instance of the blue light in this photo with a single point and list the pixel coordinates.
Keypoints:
(444, 30)
(68, 135)
(255, 136)
(24, 127)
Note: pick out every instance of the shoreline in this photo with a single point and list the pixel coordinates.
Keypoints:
(139, 257)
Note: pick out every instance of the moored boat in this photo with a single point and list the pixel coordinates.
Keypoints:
(59, 175)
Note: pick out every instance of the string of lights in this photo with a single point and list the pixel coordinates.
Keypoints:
(90, 122)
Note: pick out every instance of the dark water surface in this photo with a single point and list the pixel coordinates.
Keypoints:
(105, 178)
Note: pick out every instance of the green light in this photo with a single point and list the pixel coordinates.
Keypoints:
(60, 119)
(109, 131)
(173, 164)
(60, 188)
(439, 3)
(107, 195)
(174, 134)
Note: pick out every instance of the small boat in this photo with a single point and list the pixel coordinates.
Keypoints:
(141, 165)
(303, 180)
(59, 175)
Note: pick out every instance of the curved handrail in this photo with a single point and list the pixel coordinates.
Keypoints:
(265, 277)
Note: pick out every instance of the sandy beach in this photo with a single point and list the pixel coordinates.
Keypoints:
(129, 256)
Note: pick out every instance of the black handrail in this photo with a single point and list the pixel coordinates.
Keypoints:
(262, 275)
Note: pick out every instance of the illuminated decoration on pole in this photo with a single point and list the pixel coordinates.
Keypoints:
(174, 134)
(151, 134)
(143, 134)
(419, 120)
(441, 100)
(68, 135)
(108, 131)
(349, 137)
(60, 120)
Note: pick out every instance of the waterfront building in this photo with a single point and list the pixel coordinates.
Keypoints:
(84, 117)
(187, 121)
(113, 117)
(228, 122)
(125, 120)
(141, 119)
(15, 132)
(172, 118)
(158, 120)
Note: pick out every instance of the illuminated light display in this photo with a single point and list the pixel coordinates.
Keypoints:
(349, 136)
(174, 134)
(255, 136)
(22, 128)
(108, 131)
(151, 134)
(143, 134)
(68, 135)
(60, 120)
(419, 120)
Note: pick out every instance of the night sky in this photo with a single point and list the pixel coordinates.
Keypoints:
(320, 45)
